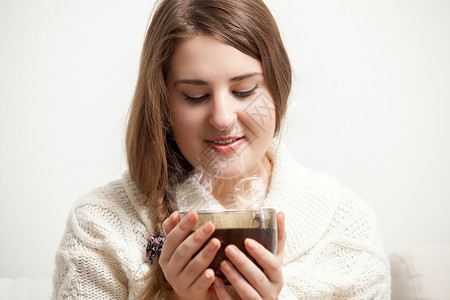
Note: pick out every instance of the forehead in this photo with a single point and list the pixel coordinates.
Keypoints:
(208, 58)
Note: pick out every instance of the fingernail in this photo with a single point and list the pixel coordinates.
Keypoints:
(231, 251)
(209, 273)
(251, 244)
(207, 229)
(190, 218)
(212, 245)
(225, 266)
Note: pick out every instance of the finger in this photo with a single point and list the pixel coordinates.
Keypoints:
(240, 285)
(177, 236)
(203, 282)
(281, 235)
(221, 291)
(170, 223)
(270, 264)
(189, 247)
(249, 270)
(199, 263)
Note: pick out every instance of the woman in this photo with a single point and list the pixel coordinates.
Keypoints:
(210, 99)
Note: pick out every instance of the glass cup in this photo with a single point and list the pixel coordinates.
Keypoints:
(234, 226)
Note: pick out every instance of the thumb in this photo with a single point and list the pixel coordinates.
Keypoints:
(281, 231)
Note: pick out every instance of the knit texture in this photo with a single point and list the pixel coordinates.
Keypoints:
(333, 250)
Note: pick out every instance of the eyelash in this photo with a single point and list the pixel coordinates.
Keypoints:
(237, 94)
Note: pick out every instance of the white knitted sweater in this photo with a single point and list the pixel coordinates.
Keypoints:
(333, 250)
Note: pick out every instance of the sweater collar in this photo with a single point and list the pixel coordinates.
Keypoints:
(307, 198)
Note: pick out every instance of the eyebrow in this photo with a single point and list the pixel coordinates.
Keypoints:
(202, 82)
(245, 76)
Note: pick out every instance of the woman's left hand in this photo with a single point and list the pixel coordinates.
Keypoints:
(249, 281)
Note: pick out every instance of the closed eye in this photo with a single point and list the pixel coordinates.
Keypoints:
(244, 94)
(196, 99)
(239, 94)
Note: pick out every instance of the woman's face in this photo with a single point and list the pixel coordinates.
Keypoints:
(223, 116)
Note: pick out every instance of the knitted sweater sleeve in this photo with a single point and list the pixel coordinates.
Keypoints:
(347, 262)
(88, 265)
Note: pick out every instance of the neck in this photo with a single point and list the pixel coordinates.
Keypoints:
(248, 190)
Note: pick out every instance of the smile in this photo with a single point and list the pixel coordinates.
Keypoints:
(225, 144)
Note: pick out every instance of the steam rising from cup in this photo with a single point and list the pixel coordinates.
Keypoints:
(247, 193)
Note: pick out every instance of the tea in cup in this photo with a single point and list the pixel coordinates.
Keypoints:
(234, 226)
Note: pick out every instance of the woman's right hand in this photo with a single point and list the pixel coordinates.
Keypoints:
(188, 275)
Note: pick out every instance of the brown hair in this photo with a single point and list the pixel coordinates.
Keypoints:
(154, 160)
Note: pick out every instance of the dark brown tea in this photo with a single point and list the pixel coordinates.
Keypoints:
(234, 226)
(236, 236)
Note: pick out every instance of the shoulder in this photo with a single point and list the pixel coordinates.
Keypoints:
(107, 215)
(316, 205)
(118, 193)
(354, 218)
(286, 168)
(302, 187)
(111, 197)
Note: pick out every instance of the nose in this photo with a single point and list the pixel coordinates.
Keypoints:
(223, 112)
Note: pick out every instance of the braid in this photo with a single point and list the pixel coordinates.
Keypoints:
(156, 286)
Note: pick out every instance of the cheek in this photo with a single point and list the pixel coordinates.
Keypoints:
(185, 120)
(260, 117)
(187, 129)
(181, 117)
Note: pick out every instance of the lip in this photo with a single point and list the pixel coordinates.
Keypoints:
(226, 147)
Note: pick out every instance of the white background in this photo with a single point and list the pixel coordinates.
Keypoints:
(370, 105)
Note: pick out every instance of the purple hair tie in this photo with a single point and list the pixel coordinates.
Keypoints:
(154, 246)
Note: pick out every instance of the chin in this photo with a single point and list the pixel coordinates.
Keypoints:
(228, 175)
(226, 170)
